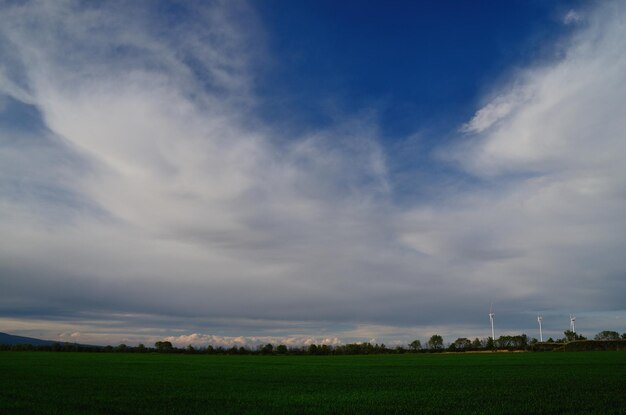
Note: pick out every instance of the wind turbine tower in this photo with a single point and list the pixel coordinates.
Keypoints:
(491, 315)
(572, 323)
(539, 318)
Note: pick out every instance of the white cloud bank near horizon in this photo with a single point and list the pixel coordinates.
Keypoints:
(155, 189)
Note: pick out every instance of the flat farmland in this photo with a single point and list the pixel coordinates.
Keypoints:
(488, 383)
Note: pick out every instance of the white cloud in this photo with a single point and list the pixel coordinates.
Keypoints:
(175, 199)
(550, 217)
(497, 109)
(203, 340)
(572, 17)
(157, 191)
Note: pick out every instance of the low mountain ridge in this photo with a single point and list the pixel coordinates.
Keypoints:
(11, 339)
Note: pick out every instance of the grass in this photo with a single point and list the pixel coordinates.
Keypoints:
(506, 383)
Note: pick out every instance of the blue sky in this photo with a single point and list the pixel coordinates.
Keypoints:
(419, 66)
(244, 172)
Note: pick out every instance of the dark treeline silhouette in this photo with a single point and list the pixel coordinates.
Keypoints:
(605, 340)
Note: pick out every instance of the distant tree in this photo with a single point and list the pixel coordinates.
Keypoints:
(232, 350)
(353, 348)
(476, 343)
(163, 346)
(550, 340)
(141, 348)
(462, 343)
(512, 342)
(522, 340)
(400, 350)
(312, 349)
(267, 349)
(435, 342)
(190, 349)
(501, 342)
(491, 344)
(607, 335)
(570, 336)
(415, 345)
(121, 348)
(281, 349)
(623, 336)
(209, 349)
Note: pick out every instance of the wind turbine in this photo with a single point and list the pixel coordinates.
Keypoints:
(491, 315)
(572, 323)
(539, 318)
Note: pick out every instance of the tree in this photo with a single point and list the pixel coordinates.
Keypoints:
(435, 342)
(512, 342)
(490, 343)
(477, 344)
(400, 350)
(607, 335)
(522, 340)
(163, 346)
(267, 349)
(232, 350)
(570, 336)
(462, 343)
(415, 345)
(281, 349)
(623, 336)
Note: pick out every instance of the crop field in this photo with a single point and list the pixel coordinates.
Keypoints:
(489, 383)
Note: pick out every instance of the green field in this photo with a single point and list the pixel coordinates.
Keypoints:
(506, 383)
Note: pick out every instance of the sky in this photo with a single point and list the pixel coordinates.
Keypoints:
(237, 173)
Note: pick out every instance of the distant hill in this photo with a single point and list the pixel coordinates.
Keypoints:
(12, 340)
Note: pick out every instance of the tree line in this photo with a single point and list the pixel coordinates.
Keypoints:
(435, 344)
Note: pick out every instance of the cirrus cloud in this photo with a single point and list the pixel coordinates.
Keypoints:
(155, 189)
